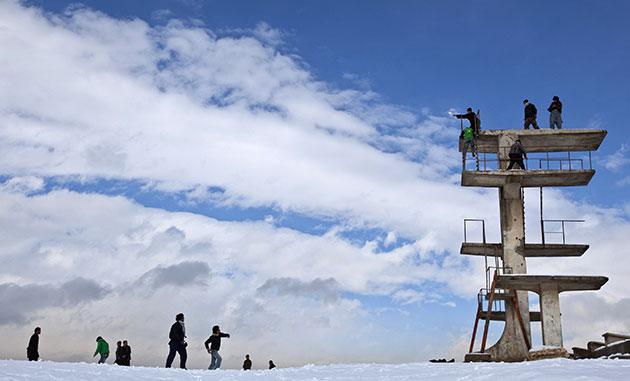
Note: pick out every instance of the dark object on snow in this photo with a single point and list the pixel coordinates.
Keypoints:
(247, 364)
(32, 351)
(441, 360)
(271, 364)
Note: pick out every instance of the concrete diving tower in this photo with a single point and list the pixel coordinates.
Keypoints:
(555, 158)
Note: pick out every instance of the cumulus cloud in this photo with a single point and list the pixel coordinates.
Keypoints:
(179, 275)
(23, 303)
(327, 289)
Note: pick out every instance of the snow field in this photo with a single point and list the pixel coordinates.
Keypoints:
(555, 369)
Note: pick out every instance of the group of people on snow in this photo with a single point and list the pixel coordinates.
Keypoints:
(517, 151)
(123, 352)
(177, 345)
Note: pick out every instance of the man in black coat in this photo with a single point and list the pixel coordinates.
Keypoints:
(472, 119)
(247, 364)
(177, 344)
(530, 115)
(125, 354)
(32, 351)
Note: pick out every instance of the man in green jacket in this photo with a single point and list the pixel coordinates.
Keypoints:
(103, 348)
(469, 140)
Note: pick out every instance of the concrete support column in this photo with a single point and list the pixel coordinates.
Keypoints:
(550, 315)
(513, 240)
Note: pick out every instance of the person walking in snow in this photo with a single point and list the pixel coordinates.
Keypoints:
(177, 343)
(125, 354)
(118, 352)
(271, 364)
(247, 364)
(555, 113)
(215, 344)
(32, 351)
(530, 115)
(102, 348)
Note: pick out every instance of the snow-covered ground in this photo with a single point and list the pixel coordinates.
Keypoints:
(556, 369)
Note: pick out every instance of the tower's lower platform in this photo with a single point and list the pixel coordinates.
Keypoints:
(527, 178)
(535, 283)
(531, 250)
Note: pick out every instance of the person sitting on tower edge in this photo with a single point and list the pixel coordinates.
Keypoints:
(516, 154)
(472, 118)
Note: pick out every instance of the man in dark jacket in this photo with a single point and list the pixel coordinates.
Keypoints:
(530, 115)
(555, 116)
(125, 354)
(516, 154)
(247, 364)
(118, 352)
(177, 344)
(32, 351)
(215, 345)
(472, 119)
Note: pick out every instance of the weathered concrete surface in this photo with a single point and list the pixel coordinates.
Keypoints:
(541, 140)
(477, 357)
(531, 250)
(528, 178)
(610, 337)
(547, 353)
(550, 311)
(500, 315)
(512, 345)
(564, 282)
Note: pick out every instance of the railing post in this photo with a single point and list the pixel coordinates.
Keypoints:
(569, 152)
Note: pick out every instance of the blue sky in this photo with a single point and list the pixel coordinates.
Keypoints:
(299, 157)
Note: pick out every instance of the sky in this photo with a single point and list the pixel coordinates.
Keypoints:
(289, 171)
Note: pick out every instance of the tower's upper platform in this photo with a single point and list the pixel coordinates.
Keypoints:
(541, 140)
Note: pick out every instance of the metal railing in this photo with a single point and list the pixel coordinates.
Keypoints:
(562, 222)
(485, 161)
(483, 228)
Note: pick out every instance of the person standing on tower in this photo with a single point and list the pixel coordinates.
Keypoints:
(555, 116)
(32, 351)
(177, 344)
(474, 121)
(530, 115)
